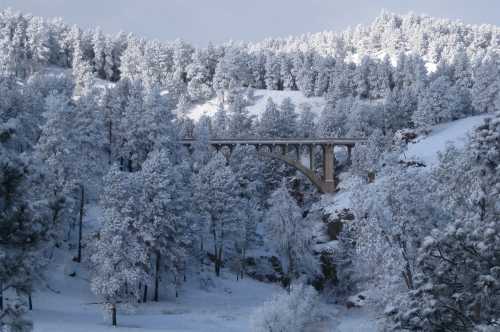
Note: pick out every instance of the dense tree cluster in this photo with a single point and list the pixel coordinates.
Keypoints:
(428, 240)
(87, 118)
(423, 70)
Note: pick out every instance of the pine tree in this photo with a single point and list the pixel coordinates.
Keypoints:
(99, 47)
(25, 231)
(273, 72)
(269, 124)
(131, 62)
(240, 122)
(37, 43)
(247, 169)
(82, 70)
(287, 72)
(163, 227)
(216, 196)
(290, 235)
(120, 259)
(486, 86)
(198, 73)
(306, 127)
(288, 117)
(306, 75)
(434, 104)
(220, 123)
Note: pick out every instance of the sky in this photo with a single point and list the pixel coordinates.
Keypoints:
(201, 21)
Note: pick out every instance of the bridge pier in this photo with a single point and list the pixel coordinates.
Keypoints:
(312, 165)
(329, 167)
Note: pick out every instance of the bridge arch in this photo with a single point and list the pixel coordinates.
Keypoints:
(278, 148)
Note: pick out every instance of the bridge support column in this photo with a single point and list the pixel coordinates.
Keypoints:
(329, 168)
(312, 167)
(298, 149)
(284, 149)
(349, 154)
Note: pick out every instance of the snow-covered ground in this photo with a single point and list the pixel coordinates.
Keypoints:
(210, 107)
(68, 305)
(427, 148)
(225, 307)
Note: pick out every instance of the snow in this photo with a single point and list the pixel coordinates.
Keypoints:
(427, 149)
(210, 107)
(332, 204)
(225, 307)
(68, 305)
(355, 320)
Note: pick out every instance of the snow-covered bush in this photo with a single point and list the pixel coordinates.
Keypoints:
(12, 318)
(287, 312)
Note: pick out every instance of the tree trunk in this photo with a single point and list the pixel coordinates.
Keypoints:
(218, 260)
(157, 276)
(80, 223)
(242, 271)
(175, 285)
(30, 302)
(408, 276)
(291, 269)
(110, 142)
(217, 268)
(129, 165)
(113, 314)
(145, 295)
(1, 296)
(202, 251)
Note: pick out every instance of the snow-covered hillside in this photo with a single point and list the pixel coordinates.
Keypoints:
(259, 103)
(456, 132)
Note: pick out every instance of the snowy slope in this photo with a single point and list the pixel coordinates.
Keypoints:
(226, 307)
(426, 149)
(210, 107)
(68, 305)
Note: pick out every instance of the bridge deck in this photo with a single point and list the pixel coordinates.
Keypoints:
(273, 141)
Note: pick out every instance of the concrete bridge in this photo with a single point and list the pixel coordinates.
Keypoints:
(290, 150)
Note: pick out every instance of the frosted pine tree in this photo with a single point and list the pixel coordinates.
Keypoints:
(270, 121)
(99, 46)
(288, 116)
(163, 227)
(198, 73)
(486, 86)
(220, 122)
(38, 43)
(273, 73)
(120, 259)
(240, 122)
(216, 192)
(306, 126)
(434, 104)
(82, 70)
(25, 232)
(290, 235)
